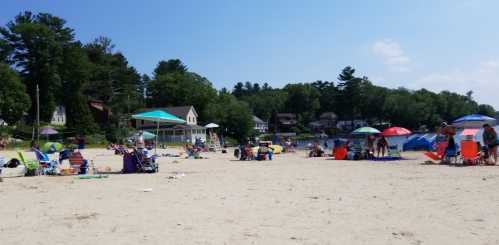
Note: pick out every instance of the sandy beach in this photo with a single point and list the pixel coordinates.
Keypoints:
(291, 200)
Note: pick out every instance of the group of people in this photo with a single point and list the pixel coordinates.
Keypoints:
(487, 152)
(381, 145)
(245, 152)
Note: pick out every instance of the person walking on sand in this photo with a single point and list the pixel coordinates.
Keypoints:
(490, 140)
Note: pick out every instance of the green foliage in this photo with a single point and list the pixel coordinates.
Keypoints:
(233, 116)
(36, 44)
(173, 85)
(303, 100)
(75, 73)
(13, 98)
(487, 110)
(113, 81)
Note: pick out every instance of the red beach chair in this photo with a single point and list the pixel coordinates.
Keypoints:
(470, 152)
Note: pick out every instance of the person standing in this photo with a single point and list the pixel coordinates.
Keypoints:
(490, 140)
(139, 141)
(382, 145)
(370, 144)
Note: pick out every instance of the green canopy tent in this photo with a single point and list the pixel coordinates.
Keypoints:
(158, 116)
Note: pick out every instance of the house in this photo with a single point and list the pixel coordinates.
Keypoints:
(349, 125)
(327, 120)
(286, 121)
(187, 132)
(100, 111)
(59, 116)
(260, 125)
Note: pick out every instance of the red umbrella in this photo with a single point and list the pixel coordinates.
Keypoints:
(396, 131)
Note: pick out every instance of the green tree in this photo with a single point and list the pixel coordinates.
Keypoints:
(349, 96)
(233, 116)
(113, 80)
(36, 44)
(328, 94)
(303, 100)
(173, 85)
(14, 100)
(170, 66)
(75, 72)
(486, 110)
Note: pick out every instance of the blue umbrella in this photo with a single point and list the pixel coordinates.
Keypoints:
(158, 116)
(474, 121)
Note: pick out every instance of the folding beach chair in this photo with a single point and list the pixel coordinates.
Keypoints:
(32, 166)
(78, 163)
(47, 166)
(440, 152)
(451, 155)
(469, 152)
(393, 152)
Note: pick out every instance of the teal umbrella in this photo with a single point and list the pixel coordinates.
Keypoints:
(366, 130)
(146, 135)
(158, 116)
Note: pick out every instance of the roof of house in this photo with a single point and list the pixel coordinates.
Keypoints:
(179, 111)
(286, 115)
(257, 119)
(328, 115)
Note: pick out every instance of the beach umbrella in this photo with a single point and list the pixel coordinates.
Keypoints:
(470, 132)
(47, 131)
(146, 135)
(51, 145)
(158, 116)
(366, 130)
(211, 125)
(396, 131)
(474, 121)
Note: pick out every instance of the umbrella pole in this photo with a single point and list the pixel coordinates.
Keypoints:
(157, 133)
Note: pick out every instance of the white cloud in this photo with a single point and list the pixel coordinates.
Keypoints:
(482, 79)
(392, 54)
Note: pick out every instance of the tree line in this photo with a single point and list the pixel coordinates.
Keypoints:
(354, 97)
(41, 50)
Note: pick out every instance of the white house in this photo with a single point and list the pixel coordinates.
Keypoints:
(187, 132)
(59, 116)
(351, 125)
(260, 125)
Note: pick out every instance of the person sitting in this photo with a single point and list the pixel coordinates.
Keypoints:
(316, 150)
(247, 153)
(263, 151)
(288, 146)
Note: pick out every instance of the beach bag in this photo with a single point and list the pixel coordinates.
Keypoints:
(13, 163)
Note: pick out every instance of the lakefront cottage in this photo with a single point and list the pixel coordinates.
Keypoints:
(181, 133)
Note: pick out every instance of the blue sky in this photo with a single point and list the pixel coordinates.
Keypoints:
(433, 44)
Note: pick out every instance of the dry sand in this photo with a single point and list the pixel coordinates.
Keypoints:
(291, 200)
